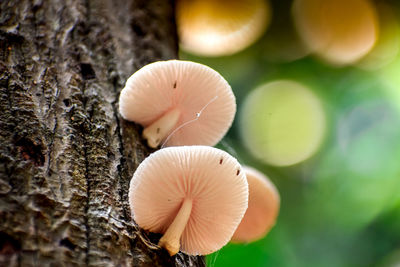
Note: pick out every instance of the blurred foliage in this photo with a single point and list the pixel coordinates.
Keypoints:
(341, 207)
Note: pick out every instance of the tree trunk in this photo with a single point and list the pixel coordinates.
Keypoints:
(66, 156)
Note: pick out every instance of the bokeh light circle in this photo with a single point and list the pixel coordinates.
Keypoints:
(282, 123)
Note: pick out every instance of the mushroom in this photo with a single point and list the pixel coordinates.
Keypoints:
(220, 27)
(195, 195)
(179, 103)
(339, 31)
(387, 46)
(263, 208)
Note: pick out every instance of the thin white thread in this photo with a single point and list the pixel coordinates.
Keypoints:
(198, 114)
(213, 259)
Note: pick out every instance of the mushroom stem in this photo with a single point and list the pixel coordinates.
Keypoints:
(158, 130)
(171, 239)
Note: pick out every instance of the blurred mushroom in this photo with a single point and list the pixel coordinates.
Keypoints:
(220, 27)
(195, 195)
(339, 31)
(386, 48)
(263, 208)
(188, 99)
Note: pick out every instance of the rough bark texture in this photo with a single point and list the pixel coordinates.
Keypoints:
(66, 156)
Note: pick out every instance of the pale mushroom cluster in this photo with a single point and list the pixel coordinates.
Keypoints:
(199, 197)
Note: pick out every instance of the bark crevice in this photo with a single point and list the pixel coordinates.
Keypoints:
(87, 227)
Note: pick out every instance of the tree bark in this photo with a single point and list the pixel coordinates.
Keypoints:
(66, 156)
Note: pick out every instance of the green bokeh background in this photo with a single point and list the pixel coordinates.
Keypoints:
(341, 207)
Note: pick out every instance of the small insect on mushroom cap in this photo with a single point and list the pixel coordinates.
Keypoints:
(206, 183)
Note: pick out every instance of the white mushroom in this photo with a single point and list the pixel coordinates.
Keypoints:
(195, 195)
(179, 103)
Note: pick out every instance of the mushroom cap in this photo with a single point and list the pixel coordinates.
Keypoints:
(187, 86)
(220, 27)
(387, 46)
(263, 209)
(339, 31)
(213, 180)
